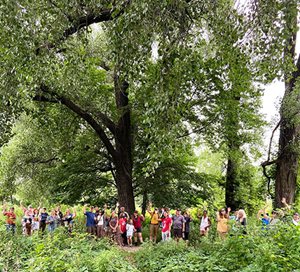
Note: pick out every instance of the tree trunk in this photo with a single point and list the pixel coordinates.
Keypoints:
(123, 143)
(124, 186)
(288, 157)
(145, 202)
(287, 163)
(232, 185)
(286, 170)
(233, 142)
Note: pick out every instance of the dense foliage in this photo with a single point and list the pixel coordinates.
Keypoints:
(273, 250)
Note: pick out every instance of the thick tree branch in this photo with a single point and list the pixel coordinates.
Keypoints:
(41, 161)
(268, 162)
(89, 19)
(85, 20)
(80, 112)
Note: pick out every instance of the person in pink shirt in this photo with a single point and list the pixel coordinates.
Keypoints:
(166, 227)
(137, 223)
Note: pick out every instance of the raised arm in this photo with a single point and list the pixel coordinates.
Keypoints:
(4, 209)
(218, 216)
(262, 211)
(286, 206)
(228, 212)
(22, 207)
(74, 213)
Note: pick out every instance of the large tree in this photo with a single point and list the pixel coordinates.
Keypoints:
(284, 63)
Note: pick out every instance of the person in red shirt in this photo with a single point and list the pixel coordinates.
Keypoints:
(10, 219)
(122, 224)
(137, 223)
(166, 227)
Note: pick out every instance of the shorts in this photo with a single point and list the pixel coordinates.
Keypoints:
(138, 230)
(177, 233)
(153, 229)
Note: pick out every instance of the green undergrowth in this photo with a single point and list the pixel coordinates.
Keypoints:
(273, 250)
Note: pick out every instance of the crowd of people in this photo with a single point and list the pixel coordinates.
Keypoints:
(126, 229)
(37, 219)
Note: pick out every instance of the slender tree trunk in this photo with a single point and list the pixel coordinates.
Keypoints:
(145, 201)
(232, 181)
(232, 184)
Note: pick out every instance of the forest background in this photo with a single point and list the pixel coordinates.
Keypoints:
(135, 101)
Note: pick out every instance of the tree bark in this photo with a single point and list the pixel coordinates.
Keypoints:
(123, 142)
(288, 154)
(121, 152)
(288, 159)
(232, 184)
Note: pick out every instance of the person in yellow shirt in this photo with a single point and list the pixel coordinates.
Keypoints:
(154, 224)
(222, 225)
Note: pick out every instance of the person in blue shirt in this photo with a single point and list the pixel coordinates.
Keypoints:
(90, 219)
(264, 218)
(52, 221)
(43, 218)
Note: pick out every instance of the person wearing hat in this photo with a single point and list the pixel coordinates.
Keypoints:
(274, 218)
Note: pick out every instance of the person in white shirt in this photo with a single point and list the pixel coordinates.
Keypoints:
(205, 223)
(296, 219)
(100, 224)
(129, 232)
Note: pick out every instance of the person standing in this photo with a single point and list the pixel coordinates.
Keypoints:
(52, 221)
(205, 224)
(122, 210)
(68, 220)
(43, 219)
(129, 232)
(154, 224)
(90, 219)
(242, 220)
(122, 224)
(296, 219)
(187, 220)
(166, 227)
(222, 225)
(10, 219)
(137, 223)
(27, 223)
(115, 228)
(101, 224)
(264, 218)
(35, 221)
(60, 216)
(178, 225)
